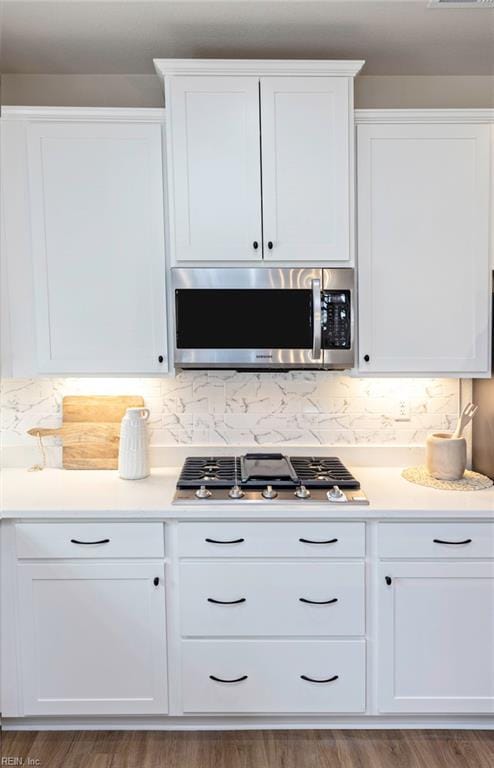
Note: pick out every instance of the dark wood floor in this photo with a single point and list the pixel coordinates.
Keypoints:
(251, 749)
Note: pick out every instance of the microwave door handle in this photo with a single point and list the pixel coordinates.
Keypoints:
(316, 319)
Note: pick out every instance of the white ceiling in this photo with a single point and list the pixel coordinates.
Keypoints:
(396, 37)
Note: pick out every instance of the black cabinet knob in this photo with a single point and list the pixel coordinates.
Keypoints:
(160, 359)
(255, 245)
(366, 358)
(270, 245)
(388, 580)
(156, 581)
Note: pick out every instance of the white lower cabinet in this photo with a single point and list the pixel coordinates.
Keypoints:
(436, 637)
(92, 638)
(267, 629)
(273, 676)
(272, 617)
(246, 598)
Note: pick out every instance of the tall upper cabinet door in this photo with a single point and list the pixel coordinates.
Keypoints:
(306, 171)
(215, 184)
(423, 248)
(98, 246)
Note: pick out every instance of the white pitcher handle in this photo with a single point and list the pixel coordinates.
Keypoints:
(145, 414)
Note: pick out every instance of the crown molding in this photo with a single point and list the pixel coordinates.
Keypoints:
(257, 67)
(388, 116)
(85, 114)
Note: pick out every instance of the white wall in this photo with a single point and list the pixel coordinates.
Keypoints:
(146, 91)
(82, 90)
(388, 92)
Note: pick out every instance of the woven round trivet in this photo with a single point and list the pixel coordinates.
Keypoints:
(471, 481)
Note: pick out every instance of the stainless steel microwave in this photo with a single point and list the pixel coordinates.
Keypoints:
(264, 318)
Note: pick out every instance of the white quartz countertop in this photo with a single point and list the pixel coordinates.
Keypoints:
(58, 493)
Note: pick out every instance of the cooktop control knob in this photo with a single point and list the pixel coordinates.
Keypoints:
(203, 492)
(269, 493)
(236, 492)
(336, 494)
(302, 492)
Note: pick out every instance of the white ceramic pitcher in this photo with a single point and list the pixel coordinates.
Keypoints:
(133, 452)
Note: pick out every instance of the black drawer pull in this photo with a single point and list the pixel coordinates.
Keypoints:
(227, 602)
(318, 602)
(156, 581)
(233, 541)
(220, 680)
(312, 680)
(310, 541)
(440, 541)
(102, 541)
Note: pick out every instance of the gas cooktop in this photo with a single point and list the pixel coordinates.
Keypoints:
(266, 477)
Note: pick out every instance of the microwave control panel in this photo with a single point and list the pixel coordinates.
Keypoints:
(336, 319)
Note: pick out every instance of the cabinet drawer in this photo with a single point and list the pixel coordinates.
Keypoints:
(89, 540)
(269, 675)
(436, 540)
(272, 539)
(252, 598)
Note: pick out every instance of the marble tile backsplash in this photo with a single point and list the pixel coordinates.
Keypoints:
(228, 408)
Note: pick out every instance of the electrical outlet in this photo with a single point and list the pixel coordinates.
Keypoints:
(402, 409)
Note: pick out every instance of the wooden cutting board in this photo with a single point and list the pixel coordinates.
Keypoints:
(90, 430)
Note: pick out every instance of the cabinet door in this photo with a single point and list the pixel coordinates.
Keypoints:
(305, 168)
(92, 638)
(436, 638)
(98, 246)
(423, 221)
(215, 179)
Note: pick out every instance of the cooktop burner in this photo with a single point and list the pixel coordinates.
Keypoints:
(267, 476)
(217, 472)
(319, 472)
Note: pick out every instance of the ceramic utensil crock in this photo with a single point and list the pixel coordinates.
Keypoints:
(446, 456)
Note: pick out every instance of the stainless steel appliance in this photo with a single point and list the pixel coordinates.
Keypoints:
(267, 478)
(483, 423)
(264, 318)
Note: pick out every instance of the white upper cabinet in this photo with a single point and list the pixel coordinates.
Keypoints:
(215, 171)
(260, 157)
(423, 246)
(305, 168)
(96, 211)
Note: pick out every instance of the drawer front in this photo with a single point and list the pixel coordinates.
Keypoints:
(89, 540)
(269, 675)
(436, 540)
(272, 539)
(252, 598)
